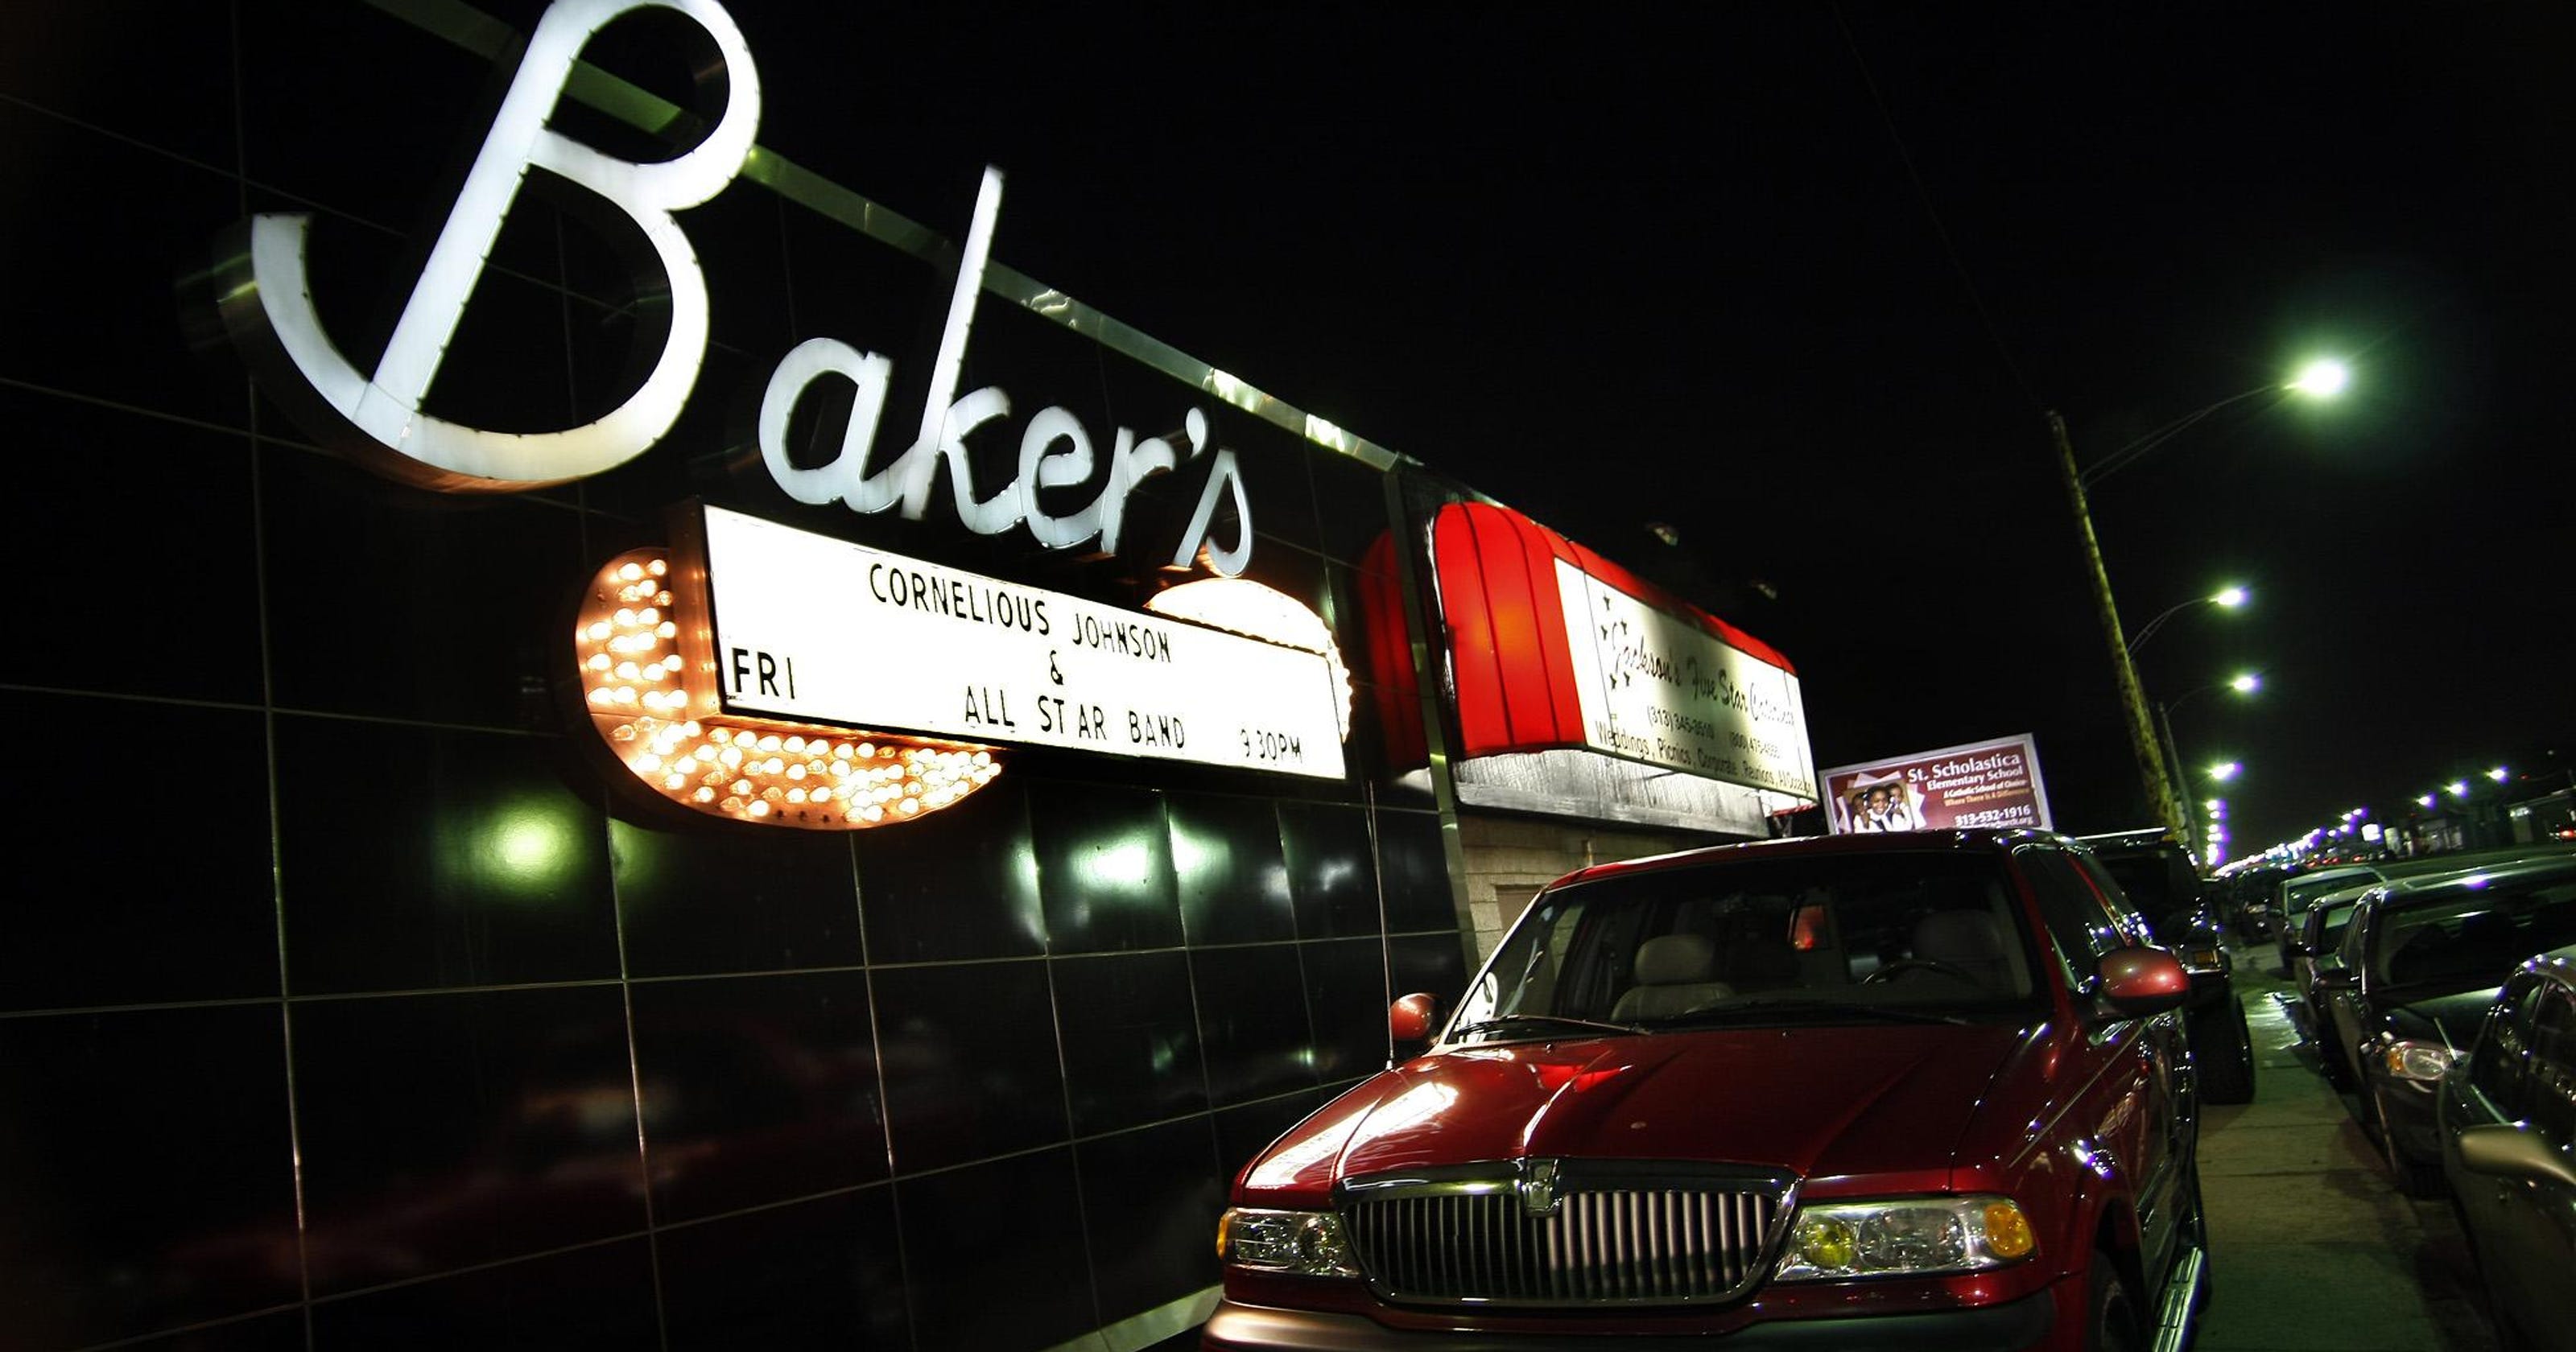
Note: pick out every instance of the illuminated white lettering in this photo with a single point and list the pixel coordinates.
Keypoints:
(274, 314)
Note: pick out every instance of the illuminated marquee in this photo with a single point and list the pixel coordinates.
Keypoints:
(380, 418)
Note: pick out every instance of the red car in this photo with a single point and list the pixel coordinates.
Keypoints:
(1900, 1090)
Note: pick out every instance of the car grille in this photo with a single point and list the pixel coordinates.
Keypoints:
(1566, 1233)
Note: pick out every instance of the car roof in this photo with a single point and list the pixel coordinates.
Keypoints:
(1817, 847)
(2436, 887)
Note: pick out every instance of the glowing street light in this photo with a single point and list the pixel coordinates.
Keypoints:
(2225, 771)
(2459, 788)
(2497, 774)
(2323, 378)
(2226, 598)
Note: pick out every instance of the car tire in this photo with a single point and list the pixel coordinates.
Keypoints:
(2412, 1178)
(2223, 1050)
(2111, 1316)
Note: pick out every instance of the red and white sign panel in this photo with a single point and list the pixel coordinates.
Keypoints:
(1994, 783)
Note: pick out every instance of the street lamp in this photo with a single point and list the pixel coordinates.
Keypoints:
(2225, 771)
(2243, 683)
(2227, 598)
(2313, 381)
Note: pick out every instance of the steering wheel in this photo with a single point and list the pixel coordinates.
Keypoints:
(1923, 965)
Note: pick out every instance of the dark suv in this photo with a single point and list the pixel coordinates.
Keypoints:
(1920, 1089)
(2164, 882)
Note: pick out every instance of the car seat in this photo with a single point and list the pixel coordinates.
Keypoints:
(1676, 973)
(1971, 942)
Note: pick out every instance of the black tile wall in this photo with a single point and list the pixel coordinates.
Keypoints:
(366, 1014)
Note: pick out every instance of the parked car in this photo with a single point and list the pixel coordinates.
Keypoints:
(2250, 894)
(2312, 949)
(2298, 889)
(2507, 1117)
(2164, 883)
(2421, 961)
(1913, 1089)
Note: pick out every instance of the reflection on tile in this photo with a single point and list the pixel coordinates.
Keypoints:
(1428, 962)
(970, 1062)
(1332, 871)
(1414, 871)
(466, 861)
(1150, 1200)
(721, 897)
(1231, 875)
(593, 1299)
(1104, 867)
(279, 1332)
(1347, 1000)
(146, 1173)
(959, 884)
(1252, 1021)
(971, 1286)
(1131, 1044)
(445, 1130)
(820, 1274)
(756, 1089)
(190, 915)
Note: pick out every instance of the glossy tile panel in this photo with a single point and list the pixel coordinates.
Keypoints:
(1347, 999)
(1252, 1021)
(441, 1131)
(710, 897)
(1413, 871)
(98, 471)
(598, 1298)
(821, 1274)
(189, 910)
(146, 1172)
(1146, 1195)
(977, 1240)
(465, 861)
(756, 1089)
(1232, 876)
(970, 1062)
(1104, 867)
(1332, 869)
(1131, 1043)
(962, 883)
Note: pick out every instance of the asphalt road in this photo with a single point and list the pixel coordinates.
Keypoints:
(2311, 1246)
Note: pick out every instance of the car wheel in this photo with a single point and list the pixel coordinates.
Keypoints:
(2111, 1319)
(2223, 1050)
(2412, 1179)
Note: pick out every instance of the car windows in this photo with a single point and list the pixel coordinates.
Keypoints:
(2551, 1103)
(2079, 919)
(2465, 937)
(1687, 944)
(2498, 1065)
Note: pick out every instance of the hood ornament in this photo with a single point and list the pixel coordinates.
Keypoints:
(1536, 1186)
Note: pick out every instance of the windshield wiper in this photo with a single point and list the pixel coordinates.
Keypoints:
(1552, 1020)
(1777, 1003)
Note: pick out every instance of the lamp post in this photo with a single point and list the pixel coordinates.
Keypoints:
(2318, 379)
(2245, 683)
(2226, 598)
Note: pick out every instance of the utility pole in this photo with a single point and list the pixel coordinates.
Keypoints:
(2162, 796)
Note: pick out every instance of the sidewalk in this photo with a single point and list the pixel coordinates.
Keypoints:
(2312, 1248)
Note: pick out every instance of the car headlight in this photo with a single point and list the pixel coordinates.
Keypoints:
(1910, 1236)
(2416, 1060)
(1304, 1243)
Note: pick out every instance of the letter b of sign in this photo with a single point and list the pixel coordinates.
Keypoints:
(270, 314)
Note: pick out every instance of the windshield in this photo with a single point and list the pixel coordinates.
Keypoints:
(2474, 936)
(1863, 937)
(2161, 884)
(2332, 917)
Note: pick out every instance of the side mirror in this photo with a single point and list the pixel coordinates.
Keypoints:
(2510, 1151)
(2137, 982)
(1411, 1017)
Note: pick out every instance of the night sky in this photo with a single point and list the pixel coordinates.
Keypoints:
(1800, 281)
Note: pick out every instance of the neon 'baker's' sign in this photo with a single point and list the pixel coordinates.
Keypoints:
(380, 417)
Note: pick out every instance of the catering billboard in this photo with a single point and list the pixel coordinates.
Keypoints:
(1991, 783)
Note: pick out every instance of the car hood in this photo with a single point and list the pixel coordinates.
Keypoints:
(1815, 1101)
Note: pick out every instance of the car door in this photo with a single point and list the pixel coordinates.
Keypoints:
(2535, 1220)
(2136, 1102)
(2347, 1008)
(2489, 1091)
